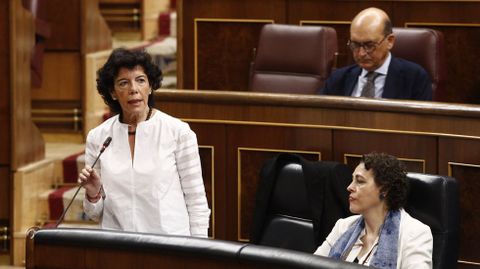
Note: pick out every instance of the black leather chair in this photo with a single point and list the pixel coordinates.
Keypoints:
(289, 223)
(298, 202)
(434, 201)
(293, 59)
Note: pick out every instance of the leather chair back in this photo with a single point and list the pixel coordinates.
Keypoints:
(434, 201)
(293, 59)
(298, 202)
(425, 47)
(289, 224)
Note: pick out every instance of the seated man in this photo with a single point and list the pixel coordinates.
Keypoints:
(377, 72)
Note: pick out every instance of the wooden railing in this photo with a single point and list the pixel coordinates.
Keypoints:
(122, 17)
(69, 118)
(4, 239)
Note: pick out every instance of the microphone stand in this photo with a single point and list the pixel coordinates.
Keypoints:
(105, 145)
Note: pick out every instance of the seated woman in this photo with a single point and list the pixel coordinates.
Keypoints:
(383, 234)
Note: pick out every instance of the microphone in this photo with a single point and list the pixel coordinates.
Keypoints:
(106, 143)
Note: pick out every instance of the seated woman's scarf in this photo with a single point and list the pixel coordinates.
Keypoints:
(386, 254)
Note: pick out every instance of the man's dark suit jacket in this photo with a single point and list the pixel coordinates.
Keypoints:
(405, 80)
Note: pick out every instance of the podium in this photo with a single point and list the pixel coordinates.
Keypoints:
(86, 248)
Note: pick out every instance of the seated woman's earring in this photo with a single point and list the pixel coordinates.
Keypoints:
(382, 196)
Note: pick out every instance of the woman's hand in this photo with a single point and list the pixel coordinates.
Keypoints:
(90, 180)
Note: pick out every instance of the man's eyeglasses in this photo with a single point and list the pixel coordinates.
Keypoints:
(369, 46)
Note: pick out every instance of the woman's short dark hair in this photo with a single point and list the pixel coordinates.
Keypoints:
(123, 58)
(391, 177)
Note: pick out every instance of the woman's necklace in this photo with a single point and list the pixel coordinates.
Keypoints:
(373, 247)
(148, 117)
(369, 253)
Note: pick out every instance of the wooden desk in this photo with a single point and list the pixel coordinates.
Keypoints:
(78, 248)
(237, 131)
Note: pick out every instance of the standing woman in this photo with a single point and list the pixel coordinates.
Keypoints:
(149, 179)
(383, 234)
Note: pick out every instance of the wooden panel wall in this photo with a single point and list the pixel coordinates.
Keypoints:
(208, 33)
(26, 142)
(4, 193)
(350, 142)
(228, 64)
(63, 18)
(188, 11)
(60, 83)
(4, 115)
(245, 129)
(212, 154)
(460, 158)
(20, 140)
(4, 86)
(77, 28)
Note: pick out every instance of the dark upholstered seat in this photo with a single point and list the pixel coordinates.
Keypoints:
(425, 47)
(289, 224)
(293, 59)
(301, 201)
(434, 201)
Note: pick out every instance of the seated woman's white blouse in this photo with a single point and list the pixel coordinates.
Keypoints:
(357, 247)
(161, 190)
(415, 243)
